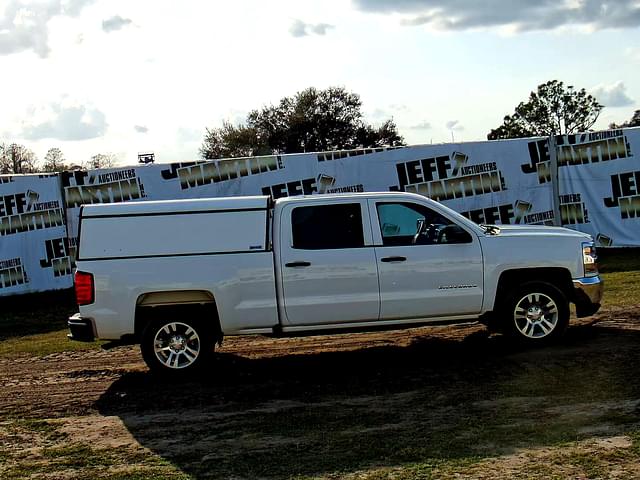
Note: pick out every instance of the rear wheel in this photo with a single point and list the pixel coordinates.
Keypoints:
(175, 347)
(536, 312)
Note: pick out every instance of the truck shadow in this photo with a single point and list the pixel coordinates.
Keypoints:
(432, 400)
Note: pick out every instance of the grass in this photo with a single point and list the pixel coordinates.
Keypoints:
(355, 442)
(36, 324)
(439, 417)
(86, 462)
(620, 270)
(619, 259)
(621, 289)
(45, 449)
(36, 313)
(41, 344)
(339, 452)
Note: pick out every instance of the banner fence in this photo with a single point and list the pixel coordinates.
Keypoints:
(589, 182)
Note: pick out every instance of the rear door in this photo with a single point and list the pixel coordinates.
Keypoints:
(327, 263)
(432, 272)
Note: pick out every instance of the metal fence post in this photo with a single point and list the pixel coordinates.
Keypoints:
(555, 179)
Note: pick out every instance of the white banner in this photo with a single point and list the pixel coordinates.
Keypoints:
(100, 186)
(482, 180)
(600, 185)
(503, 182)
(35, 254)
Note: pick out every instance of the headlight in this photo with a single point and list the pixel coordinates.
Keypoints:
(589, 259)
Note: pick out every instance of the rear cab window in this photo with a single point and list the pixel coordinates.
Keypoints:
(323, 227)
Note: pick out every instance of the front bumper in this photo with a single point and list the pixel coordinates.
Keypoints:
(81, 329)
(587, 295)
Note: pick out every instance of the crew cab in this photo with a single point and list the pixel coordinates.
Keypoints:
(177, 276)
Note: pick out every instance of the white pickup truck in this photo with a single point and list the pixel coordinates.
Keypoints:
(176, 276)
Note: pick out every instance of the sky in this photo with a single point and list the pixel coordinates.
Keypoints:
(130, 77)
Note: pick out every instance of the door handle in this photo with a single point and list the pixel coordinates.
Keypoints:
(393, 259)
(298, 264)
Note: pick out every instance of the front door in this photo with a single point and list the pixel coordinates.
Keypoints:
(428, 265)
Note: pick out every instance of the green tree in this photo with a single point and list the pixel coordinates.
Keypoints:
(54, 161)
(15, 158)
(634, 122)
(553, 110)
(311, 121)
(102, 160)
(233, 141)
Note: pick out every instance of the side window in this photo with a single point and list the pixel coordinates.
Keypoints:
(327, 226)
(413, 224)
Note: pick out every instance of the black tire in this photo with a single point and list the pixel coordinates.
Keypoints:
(175, 347)
(535, 313)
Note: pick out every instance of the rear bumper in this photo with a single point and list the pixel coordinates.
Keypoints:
(81, 329)
(588, 295)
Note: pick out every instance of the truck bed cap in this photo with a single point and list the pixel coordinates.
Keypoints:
(169, 206)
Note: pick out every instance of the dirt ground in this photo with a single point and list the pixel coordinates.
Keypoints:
(451, 402)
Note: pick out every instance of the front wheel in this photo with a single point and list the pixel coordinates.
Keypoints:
(536, 312)
(175, 347)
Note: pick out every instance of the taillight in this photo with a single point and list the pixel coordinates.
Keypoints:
(84, 288)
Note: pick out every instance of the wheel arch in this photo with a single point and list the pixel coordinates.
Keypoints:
(197, 303)
(511, 279)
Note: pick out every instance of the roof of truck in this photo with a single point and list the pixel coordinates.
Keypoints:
(216, 204)
(348, 195)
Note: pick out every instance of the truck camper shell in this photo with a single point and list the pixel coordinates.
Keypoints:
(174, 228)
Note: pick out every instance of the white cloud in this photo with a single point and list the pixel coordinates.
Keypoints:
(299, 28)
(633, 53)
(189, 135)
(454, 125)
(379, 114)
(372, 55)
(424, 125)
(115, 23)
(399, 107)
(24, 24)
(65, 122)
(521, 15)
(613, 95)
(383, 114)
(232, 116)
(140, 128)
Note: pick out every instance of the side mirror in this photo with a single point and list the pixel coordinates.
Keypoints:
(454, 234)
(389, 229)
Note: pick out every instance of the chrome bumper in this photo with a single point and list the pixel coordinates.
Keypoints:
(588, 295)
